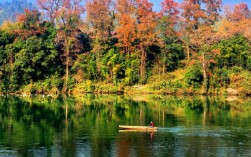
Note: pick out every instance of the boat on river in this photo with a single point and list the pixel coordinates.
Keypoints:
(128, 127)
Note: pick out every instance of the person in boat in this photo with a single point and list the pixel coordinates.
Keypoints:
(151, 125)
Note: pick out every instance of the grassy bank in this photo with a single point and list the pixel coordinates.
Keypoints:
(236, 82)
(239, 83)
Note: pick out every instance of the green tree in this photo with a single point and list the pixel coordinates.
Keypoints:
(193, 76)
(234, 52)
(6, 60)
(112, 65)
(69, 22)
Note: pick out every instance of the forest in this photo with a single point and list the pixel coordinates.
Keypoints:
(124, 46)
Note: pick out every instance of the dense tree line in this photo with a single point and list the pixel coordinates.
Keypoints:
(123, 42)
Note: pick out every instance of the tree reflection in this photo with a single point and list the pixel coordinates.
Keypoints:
(89, 123)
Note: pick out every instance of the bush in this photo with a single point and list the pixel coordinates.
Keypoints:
(223, 76)
(236, 69)
(249, 63)
(193, 77)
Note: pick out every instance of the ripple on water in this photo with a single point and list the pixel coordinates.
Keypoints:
(7, 152)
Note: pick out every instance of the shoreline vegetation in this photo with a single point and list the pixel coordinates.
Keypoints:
(70, 47)
(175, 86)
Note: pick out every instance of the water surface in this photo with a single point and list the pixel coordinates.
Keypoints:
(87, 125)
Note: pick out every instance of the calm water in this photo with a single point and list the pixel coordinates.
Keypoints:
(88, 126)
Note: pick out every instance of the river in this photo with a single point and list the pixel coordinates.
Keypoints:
(87, 126)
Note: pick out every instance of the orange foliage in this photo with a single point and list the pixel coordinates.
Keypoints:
(126, 29)
(51, 7)
(29, 24)
(197, 22)
(213, 8)
(100, 17)
(147, 22)
(146, 26)
(170, 9)
(237, 13)
(7, 26)
(192, 13)
(236, 21)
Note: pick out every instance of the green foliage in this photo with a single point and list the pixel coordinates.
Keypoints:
(112, 66)
(8, 81)
(241, 81)
(33, 58)
(87, 63)
(249, 63)
(90, 87)
(223, 76)
(51, 84)
(131, 69)
(193, 76)
(87, 86)
(220, 78)
(236, 69)
(234, 51)
(172, 53)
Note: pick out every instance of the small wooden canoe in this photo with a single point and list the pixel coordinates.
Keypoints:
(128, 127)
(130, 130)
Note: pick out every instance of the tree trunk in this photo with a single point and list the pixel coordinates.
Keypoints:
(67, 66)
(204, 66)
(188, 51)
(164, 68)
(205, 79)
(164, 64)
(143, 62)
(11, 71)
(98, 62)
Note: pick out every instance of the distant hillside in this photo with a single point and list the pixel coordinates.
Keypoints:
(10, 8)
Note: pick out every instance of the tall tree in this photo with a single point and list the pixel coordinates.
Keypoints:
(100, 21)
(170, 10)
(238, 13)
(100, 18)
(29, 24)
(199, 17)
(146, 30)
(167, 26)
(69, 21)
(126, 28)
(6, 59)
(237, 20)
(51, 8)
(213, 8)
(192, 14)
(32, 55)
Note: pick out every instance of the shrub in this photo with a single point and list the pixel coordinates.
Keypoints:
(236, 69)
(193, 76)
(223, 76)
(249, 63)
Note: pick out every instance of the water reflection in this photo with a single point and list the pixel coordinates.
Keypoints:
(88, 126)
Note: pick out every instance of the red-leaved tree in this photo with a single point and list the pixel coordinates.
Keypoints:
(68, 21)
(126, 27)
(145, 30)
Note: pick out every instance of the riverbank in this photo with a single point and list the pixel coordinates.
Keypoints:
(152, 89)
(174, 83)
(237, 83)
